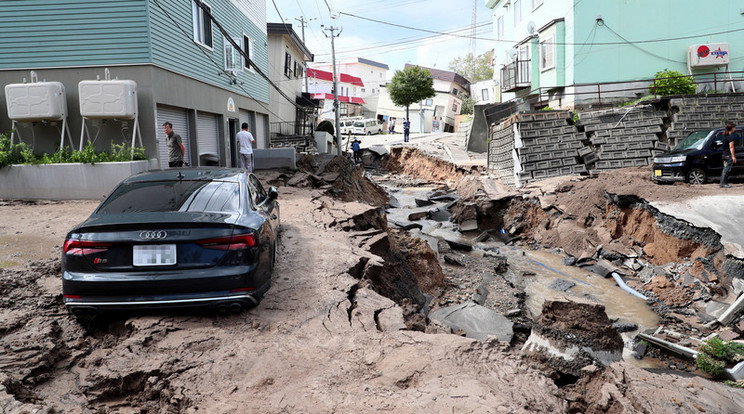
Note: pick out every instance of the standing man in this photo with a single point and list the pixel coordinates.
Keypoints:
(176, 150)
(245, 141)
(728, 153)
(355, 148)
(406, 129)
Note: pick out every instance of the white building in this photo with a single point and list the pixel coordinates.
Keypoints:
(372, 74)
(320, 84)
(435, 114)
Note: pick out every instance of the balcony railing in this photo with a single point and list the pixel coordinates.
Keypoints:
(515, 76)
(290, 129)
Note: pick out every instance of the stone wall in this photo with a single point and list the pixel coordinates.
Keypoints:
(534, 145)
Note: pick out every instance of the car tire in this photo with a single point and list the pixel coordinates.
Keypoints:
(369, 132)
(696, 176)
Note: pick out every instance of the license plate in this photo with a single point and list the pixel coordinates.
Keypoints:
(657, 173)
(154, 255)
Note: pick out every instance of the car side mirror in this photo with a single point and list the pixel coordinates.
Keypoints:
(273, 194)
(717, 143)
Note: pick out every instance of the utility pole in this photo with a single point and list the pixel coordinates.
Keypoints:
(335, 82)
(304, 23)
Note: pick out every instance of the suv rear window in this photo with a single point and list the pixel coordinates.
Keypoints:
(172, 196)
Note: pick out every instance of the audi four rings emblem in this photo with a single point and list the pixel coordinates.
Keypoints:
(153, 235)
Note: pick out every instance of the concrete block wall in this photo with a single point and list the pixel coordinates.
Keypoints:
(622, 137)
(690, 113)
(501, 151)
(549, 145)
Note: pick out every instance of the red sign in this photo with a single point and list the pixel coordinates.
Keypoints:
(703, 51)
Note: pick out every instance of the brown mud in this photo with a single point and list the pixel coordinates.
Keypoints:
(344, 327)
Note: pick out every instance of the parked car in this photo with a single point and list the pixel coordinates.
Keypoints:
(174, 238)
(367, 127)
(346, 126)
(697, 158)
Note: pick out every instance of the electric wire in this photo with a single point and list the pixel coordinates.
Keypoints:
(222, 70)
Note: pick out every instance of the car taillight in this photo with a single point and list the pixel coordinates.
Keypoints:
(77, 247)
(237, 242)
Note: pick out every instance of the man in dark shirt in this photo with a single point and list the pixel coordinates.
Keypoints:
(728, 153)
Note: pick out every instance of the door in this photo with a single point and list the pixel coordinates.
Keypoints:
(180, 120)
(260, 135)
(232, 130)
(207, 138)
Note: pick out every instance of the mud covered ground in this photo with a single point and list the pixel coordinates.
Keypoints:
(341, 330)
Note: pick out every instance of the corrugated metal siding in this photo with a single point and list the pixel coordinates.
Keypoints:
(180, 120)
(207, 134)
(51, 33)
(173, 46)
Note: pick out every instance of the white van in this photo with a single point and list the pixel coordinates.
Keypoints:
(346, 126)
(367, 127)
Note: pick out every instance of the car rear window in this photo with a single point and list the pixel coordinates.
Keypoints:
(173, 196)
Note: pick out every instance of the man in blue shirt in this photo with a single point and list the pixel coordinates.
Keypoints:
(355, 148)
(406, 129)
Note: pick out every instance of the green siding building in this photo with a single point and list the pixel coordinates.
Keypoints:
(186, 71)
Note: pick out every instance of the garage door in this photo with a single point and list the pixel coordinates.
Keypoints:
(207, 136)
(180, 120)
(261, 131)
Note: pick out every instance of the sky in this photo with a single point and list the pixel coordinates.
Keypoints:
(382, 41)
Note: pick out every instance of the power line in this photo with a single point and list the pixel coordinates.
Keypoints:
(548, 43)
(222, 70)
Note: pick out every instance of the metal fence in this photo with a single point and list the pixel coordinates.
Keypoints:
(289, 129)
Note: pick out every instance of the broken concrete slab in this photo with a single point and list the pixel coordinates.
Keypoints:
(418, 216)
(453, 260)
(380, 150)
(469, 225)
(393, 202)
(455, 245)
(422, 203)
(483, 237)
(439, 214)
(408, 226)
(476, 321)
(562, 285)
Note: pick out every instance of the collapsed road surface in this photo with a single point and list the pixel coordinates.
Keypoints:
(323, 340)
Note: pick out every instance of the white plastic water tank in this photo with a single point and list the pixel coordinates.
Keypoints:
(36, 101)
(107, 99)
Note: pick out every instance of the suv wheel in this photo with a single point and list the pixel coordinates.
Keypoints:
(696, 176)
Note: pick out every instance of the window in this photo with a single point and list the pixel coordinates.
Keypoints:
(248, 49)
(536, 3)
(500, 28)
(454, 107)
(484, 94)
(233, 61)
(517, 12)
(362, 90)
(287, 65)
(202, 24)
(429, 102)
(546, 54)
(296, 69)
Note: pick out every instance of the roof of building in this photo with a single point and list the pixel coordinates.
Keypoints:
(446, 75)
(328, 76)
(286, 29)
(373, 63)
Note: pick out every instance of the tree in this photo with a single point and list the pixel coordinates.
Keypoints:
(474, 70)
(467, 105)
(411, 85)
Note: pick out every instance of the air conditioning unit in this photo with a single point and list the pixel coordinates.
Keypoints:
(708, 54)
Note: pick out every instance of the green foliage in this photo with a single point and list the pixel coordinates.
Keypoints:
(410, 85)
(21, 153)
(326, 126)
(467, 105)
(671, 82)
(714, 355)
(473, 69)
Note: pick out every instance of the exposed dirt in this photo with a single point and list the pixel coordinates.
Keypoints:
(339, 329)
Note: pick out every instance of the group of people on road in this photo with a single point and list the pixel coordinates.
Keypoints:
(176, 150)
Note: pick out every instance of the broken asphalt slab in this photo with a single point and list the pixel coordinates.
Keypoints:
(722, 213)
(476, 321)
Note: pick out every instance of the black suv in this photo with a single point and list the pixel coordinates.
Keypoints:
(697, 158)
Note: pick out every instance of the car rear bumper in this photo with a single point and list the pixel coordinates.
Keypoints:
(214, 299)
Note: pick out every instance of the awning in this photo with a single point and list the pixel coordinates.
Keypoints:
(329, 96)
(351, 79)
(357, 100)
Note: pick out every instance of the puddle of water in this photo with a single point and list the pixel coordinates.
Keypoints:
(547, 267)
(19, 249)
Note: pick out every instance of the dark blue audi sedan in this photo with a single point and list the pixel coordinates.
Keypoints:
(174, 238)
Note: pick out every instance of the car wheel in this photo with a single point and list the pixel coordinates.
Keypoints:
(369, 132)
(696, 176)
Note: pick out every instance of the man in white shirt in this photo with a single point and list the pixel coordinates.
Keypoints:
(245, 141)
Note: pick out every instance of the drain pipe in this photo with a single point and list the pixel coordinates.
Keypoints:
(627, 288)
